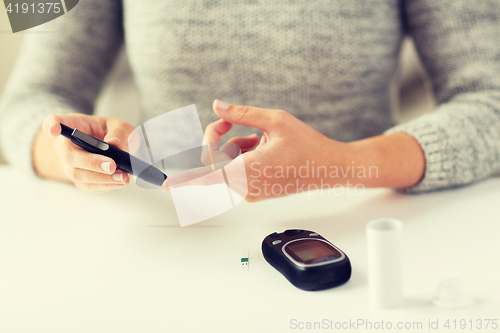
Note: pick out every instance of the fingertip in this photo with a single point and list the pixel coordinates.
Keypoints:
(220, 105)
(51, 126)
(55, 130)
(108, 166)
(220, 108)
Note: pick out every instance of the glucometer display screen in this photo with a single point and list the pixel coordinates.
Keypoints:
(310, 251)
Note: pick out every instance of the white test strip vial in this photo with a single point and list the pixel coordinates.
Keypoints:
(384, 238)
(244, 259)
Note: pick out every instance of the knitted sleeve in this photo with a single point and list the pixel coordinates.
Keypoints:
(61, 68)
(458, 42)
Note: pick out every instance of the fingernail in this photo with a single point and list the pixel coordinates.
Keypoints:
(106, 166)
(221, 106)
(118, 176)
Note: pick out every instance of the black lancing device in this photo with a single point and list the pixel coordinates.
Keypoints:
(124, 161)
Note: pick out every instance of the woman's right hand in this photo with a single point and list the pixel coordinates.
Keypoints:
(56, 157)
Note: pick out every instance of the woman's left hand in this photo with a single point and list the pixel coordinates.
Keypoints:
(272, 169)
(292, 157)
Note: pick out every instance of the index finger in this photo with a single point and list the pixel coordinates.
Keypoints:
(250, 116)
(51, 125)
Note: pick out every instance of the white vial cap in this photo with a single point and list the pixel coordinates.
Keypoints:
(452, 293)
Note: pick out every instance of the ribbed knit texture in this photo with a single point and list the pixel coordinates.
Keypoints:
(329, 63)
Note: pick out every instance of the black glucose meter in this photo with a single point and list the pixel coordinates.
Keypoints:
(306, 259)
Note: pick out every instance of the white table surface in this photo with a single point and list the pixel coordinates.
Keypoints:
(120, 262)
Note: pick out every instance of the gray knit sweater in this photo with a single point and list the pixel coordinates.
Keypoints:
(328, 62)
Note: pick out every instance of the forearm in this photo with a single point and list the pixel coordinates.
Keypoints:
(393, 161)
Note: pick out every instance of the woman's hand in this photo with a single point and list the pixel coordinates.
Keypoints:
(286, 145)
(293, 157)
(56, 157)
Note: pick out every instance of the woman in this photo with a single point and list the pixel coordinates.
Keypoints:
(326, 63)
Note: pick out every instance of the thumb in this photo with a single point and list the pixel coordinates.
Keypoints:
(263, 119)
(117, 133)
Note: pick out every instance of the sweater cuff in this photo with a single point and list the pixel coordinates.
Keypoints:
(437, 164)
